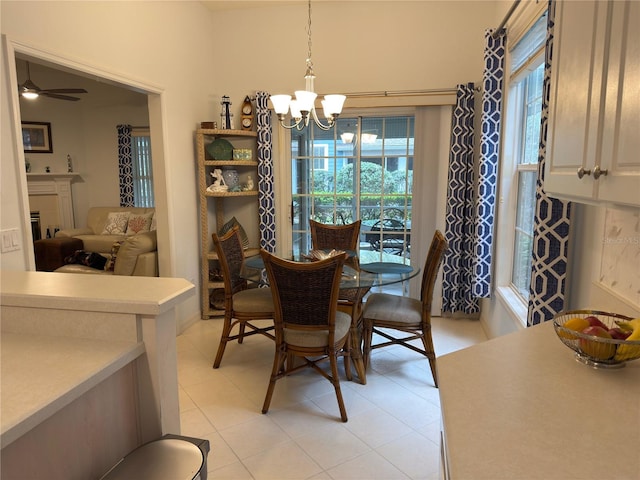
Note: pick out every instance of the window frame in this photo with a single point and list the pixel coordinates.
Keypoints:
(514, 121)
(519, 85)
(139, 178)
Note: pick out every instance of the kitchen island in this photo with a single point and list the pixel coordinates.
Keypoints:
(521, 407)
(89, 370)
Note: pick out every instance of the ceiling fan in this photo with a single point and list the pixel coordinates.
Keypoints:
(30, 90)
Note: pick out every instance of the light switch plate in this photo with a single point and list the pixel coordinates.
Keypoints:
(10, 240)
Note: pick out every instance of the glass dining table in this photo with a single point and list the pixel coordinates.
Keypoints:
(357, 279)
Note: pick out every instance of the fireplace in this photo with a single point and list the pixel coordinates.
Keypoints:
(36, 231)
(50, 194)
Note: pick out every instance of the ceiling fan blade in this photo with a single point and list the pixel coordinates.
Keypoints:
(59, 97)
(63, 90)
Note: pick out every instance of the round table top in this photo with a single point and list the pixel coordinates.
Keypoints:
(369, 275)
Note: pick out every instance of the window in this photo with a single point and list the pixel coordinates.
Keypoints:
(361, 169)
(523, 132)
(142, 170)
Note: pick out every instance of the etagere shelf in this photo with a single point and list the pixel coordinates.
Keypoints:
(218, 202)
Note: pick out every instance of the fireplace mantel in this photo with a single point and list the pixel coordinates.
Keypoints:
(58, 184)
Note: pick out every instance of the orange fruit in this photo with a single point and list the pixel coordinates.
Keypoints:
(576, 324)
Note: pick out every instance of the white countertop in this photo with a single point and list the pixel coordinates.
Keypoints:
(64, 333)
(521, 407)
(108, 293)
(41, 374)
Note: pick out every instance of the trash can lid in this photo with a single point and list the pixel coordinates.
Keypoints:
(164, 459)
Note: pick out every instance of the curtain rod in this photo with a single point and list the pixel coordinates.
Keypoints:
(506, 18)
(403, 93)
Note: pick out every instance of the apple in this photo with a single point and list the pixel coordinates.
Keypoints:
(595, 349)
(596, 322)
(618, 333)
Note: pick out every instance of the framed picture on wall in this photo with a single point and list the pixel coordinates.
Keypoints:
(36, 137)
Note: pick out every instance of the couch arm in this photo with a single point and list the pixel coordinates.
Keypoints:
(72, 232)
(131, 248)
(146, 265)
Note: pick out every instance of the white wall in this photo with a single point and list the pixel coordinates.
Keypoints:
(357, 46)
(161, 44)
(191, 56)
(85, 130)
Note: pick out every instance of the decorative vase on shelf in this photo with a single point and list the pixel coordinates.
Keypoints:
(230, 176)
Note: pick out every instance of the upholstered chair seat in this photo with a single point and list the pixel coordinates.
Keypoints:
(400, 320)
(320, 338)
(383, 306)
(256, 300)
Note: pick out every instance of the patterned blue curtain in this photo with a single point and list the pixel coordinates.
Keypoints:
(266, 211)
(457, 266)
(493, 86)
(551, 222)
(125, 166)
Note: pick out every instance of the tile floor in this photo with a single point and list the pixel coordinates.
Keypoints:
(393, 430)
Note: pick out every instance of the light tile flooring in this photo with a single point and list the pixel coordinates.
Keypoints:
(393, 430)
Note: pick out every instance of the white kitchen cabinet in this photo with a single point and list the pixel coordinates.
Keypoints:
(594, 113)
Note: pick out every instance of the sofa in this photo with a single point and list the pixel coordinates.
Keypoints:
(126, 236)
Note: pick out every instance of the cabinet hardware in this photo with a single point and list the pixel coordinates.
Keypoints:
(597, 171)
(582, 172)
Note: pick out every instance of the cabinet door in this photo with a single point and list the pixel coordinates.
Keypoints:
(574, 106)
(621, 120)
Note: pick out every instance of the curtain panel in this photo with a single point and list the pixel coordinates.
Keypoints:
(552, 220)
(457, 265)
(125, 166)
(492, 93)
(266, 198)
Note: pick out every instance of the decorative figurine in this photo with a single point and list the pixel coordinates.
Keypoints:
(69, 164)
(225, 114)
(218, 184)
(249, 182)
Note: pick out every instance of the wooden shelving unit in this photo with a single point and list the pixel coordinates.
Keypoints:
(218, 202)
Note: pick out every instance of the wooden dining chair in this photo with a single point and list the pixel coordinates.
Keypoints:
(345, 237)
(339, 237)
(307, 324)
(242, 305)
(395, 312)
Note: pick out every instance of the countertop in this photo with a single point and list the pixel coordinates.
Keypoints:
(64, 333)
(41, 374)
(521, 407)
(107, 293)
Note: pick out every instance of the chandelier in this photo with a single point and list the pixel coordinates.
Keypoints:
(303, 107)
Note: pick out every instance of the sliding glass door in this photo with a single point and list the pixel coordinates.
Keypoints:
(362, 169)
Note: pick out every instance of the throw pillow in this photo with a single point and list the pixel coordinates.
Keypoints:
(139, 222)
(244, 240)
(111, 263)
(116, 223)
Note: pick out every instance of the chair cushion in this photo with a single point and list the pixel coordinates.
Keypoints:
(319, 338)
(393, 308)
(256, 300)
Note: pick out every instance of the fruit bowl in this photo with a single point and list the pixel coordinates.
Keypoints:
(592, 349)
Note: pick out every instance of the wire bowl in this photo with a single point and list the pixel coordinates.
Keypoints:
(592, 350)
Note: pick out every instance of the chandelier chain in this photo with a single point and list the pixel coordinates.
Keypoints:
(309, 63)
